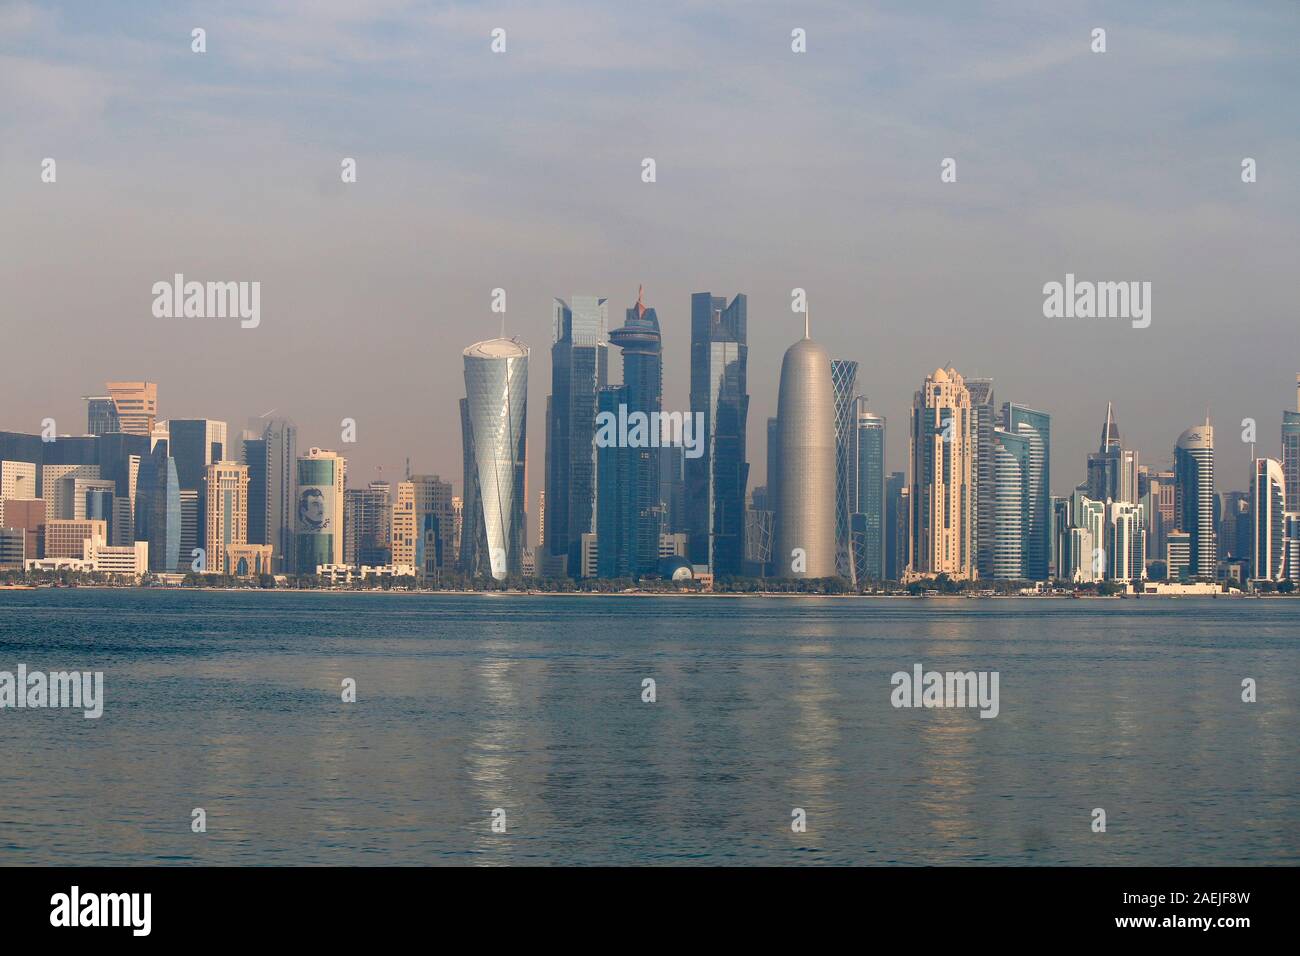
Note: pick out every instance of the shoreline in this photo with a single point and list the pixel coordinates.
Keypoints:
(660, 594)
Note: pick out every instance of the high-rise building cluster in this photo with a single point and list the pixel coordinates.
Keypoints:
(633, 489)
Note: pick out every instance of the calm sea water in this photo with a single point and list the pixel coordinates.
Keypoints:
(232, 702)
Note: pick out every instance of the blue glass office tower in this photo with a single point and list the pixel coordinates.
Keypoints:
(641, 345)
(1036, 428)
(579, 370)
(101, 416)
(158, 510)
(897, 526)
(716, 481)
(99, 505)
(1291, 459)
(867, 487)
(983, 415)
(255, 457)
(195, 443)
(614, 526)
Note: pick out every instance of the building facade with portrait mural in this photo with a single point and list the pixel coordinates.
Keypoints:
(318, 521)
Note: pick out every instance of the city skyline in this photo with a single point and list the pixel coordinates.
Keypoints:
(1268, 422)
(1103, 481)
(1123, 522)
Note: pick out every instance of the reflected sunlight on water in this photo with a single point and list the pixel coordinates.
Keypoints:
(231, 702)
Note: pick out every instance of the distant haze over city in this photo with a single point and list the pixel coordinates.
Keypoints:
(522, 171)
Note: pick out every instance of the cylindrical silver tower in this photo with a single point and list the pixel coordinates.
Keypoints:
(805, 514)
(495, 425)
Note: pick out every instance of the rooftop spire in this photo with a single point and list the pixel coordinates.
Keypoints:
(640, 306)
(1109, 431)
(806, 322)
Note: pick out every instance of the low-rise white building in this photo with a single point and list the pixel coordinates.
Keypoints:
(130, 559)
(1173, 587)
(340, 574)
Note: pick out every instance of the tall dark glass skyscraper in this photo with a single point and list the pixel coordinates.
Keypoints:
(773, 462)
(196, 443)
(1291, 454)
(672, 489)
(579, 370)
(158, 510)
(716, 481)
(255, 457)
(271, 453)
(635, 499)
(982, 490)
(613, 531)
(897, 528)
(867, 490)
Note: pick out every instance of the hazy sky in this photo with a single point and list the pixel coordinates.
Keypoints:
(522, 170)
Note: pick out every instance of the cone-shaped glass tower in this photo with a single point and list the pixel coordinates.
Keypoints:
(494, 424)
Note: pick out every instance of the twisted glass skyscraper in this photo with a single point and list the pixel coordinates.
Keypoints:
(494, 421)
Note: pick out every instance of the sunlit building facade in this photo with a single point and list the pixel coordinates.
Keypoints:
(805, 543)
(942, 478)
(1036, 428)
(1195, 498)
(1268, 529)
(318, 520)
(494, 421)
